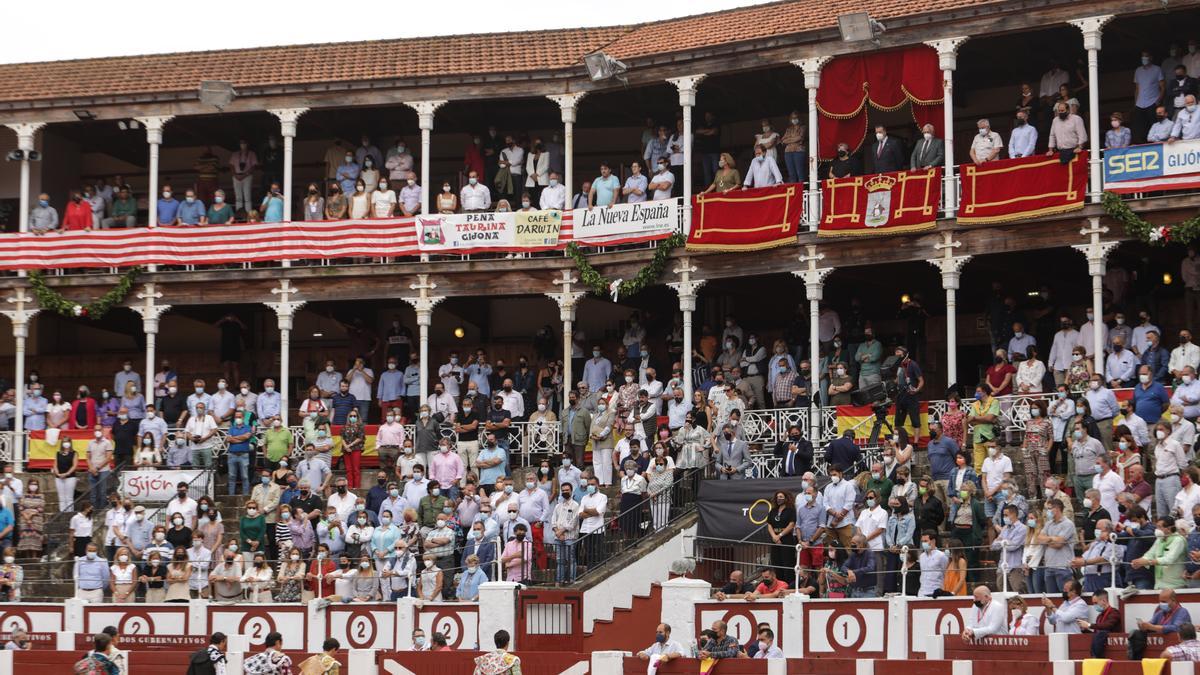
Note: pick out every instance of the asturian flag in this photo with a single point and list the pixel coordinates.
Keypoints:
(885, 203)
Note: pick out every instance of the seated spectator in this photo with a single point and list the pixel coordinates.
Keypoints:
(1119, 136)
(664, 647)
(769, 586)
(1021, 623)
(12, 576)
(766, 645)
(1108, 620)
(737, 587)
(124, 210)
(1067, 617)
(191, 210)
(1169, 617)
(989, 617)
(1188, 648)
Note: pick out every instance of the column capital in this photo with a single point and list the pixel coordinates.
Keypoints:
(423, 302)
(1096, 253)
(947, 49)
(567, 299)
(687, 88)
(567, 103)
(25, 132)
(150, 310)
(686, 287)
(425, 111)
(21, 313)
(287, 306)
(951, 269)
(813, 276)
(812, 69)
(1092, 27)
(288, 117)
(154, 126)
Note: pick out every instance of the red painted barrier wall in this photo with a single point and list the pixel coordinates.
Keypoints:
(458, 663)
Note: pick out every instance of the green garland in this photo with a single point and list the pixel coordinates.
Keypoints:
(54, 301)
(1184, 232)
(601, 285)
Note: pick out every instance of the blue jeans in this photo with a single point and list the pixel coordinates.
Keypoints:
(99, 484)
(1055, 578)
(856, 592)
(1037, 580)
(239, 466)
(565, 553)
(797, 166)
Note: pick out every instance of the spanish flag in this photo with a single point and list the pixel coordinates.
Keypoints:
(43, 445)
(861, 419)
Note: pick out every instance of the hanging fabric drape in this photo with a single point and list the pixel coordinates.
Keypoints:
(885, 81)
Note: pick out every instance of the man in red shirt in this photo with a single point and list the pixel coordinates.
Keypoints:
(769, 586)
(78, 215)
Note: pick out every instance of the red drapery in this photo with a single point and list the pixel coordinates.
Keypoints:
(886, 81)
(746, 220)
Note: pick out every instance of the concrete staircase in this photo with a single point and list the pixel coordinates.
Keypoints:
(629, 626)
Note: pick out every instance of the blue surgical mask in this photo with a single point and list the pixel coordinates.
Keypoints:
(43, 203)
(472, 181)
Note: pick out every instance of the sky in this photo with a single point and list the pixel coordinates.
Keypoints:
(145, 27)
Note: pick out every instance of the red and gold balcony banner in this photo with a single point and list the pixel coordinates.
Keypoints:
(746, 220)
(884, 203)
(1012, 189)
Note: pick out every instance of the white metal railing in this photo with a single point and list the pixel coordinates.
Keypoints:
(527, 440)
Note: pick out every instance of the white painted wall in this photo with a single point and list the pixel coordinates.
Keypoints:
(636, 578)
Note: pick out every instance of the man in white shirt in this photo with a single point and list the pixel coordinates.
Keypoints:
(933, 563)
(1121, 365)
(650, 383)
(766, 645)
(677, 409)
(596, 370)
(997, 467)
(1141, 333)
(872, 524)
(201, 434)
(763, 171)
(514, 155)
(1087, 335)
(222, 404)
(1160, 131)
(474, 195)
(200, 558)
(1065, 618)
(451, 375)
(664, 181)
(183, 505)
(1187, 394)
(1186, 354)
(592, 508)
(988, 617)
(1023, 139)
(1052, 80)
(1187, 121)
(1109, 484)
(664, 647)
(1065, 341)
(554, 195)
(342, 500)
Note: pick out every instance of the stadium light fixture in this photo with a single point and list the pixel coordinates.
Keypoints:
(859, 26)
(217, 93)
(601, 66)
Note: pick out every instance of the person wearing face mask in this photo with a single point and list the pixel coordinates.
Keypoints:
(763, 171)
(732, 455)
(58, 413)
(986, 618)
(986, 145)
(1057, 535)
(984, 413)
(1010, 540)
(31, 516)
(258, 579)
(242, 165)
(168, 207)
(1024, 136)
(1186, 355)
(554, 194)
(438, 544)
(43, 218)
(383, 199)
(1067, 133)
(1119, 136)
(1149, 87)
(91, 576)
(399, 161)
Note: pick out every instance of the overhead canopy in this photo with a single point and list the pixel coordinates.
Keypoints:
(883, 80)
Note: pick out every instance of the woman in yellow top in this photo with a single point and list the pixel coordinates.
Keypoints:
(727, 178)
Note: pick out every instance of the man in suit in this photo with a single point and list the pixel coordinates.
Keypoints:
(930, 152)
(887, 153)
(795, 454)
(733, 455)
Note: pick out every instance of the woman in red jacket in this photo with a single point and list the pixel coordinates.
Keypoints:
(78, 215)
(83, 411)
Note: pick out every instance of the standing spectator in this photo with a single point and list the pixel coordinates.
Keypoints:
(32, 518)
(91, 576)
(100, 458)
(1067, 132)
(1023, 139)
(763, 171)
(1058, 536)
(1149, 85)
(604, 188)
(1167, 555)
(242, 164)
(66, 464)
(986, 145)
